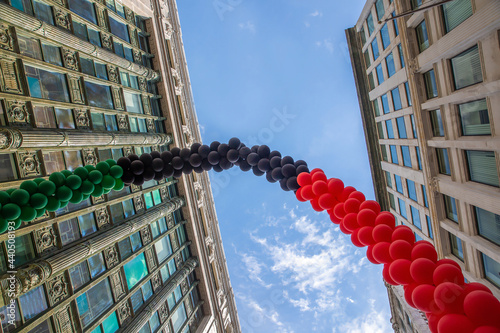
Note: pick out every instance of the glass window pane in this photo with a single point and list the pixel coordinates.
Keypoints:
(424, 192)
(415, 216)
(128, 208)
(391, 68)
(53, 162)
(450, 206)
(430, 84)
(385, 104)
(101, 71)
(148, 199)
(47, 85)
(408, 94)
(29, 46)
(380, 74)
(111, 124)
(44, 117)
(375, 49)
(80, 30)
(147, 290)
(119, 49)
(98, 121)
(23, 5)
(94, 37)
(96, 264)
(128, 54)
(117, 212)
(84, 8)
(87, 66)
(124, 78)
(401, 56)
(163, 249)
(399, 183)
(134, 125)
(436, 122)
(466, 68)
(488, 225)
(110, 324)
(73, 159)
(482, 167)
(125, 248)
(79, 275)
(395, 22)
(43, 12)
(456, 247)
(394, 154)
(412, 191)
(171, 267)
(99, 95)
(178, 318)
(154, 322)
(133, 102)
(119, 29)
(64, 118)
(142, 125)
(369, 23)
(402, 208)
(371, 82)
(33, 302)
(429, 226)
(491, 270)
(474, 118)
(135, 239)
(405, 150)
(386, 40)
(396, 99)
(135, 270)
(136, 300)
(134, 82)
(8, 323)
(68, 231)
(443, 161)
(94, 302)
(455, 12)
(422, 37)
(390, 131)
(164, 273)
(379, 6)
(401, 127)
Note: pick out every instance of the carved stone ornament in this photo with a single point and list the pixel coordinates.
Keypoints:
(146, 104)
(434, 184)
(57, 289)
(45, 240)
(146, 235)
(413, 65)
(111, 257)
(156, 281)
(163, 312)
(18, 113)
(82, 119)
(117, 98)
(76, 89)
(89, 156)
(117, 286)
(177, 81)
(201, 194)
(112, 73)
(150, 125)
(184, 287)
(101, 18)
(133, 36)
(129, 15)
(164, 10)
(164, 193)
(150, 258)
(63, 320)
(187, 131)
(70, 59)
(127, 151)
(124, 313)
(29, 164)
(106, 41)
(169, 29)
(189, 307)
(10, 79)
(98, 200)
(139, 203)
(62, 19)
(135, 188)
(102, 217)
(174, 242)
(143, 85)
(123, 123)
(26, 279)
(170, 220)
(178, 261)
(6, 38)
(138, 56)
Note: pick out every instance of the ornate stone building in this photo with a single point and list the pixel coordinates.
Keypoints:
(428, 85)
(83, 81)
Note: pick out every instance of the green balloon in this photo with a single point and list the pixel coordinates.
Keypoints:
(111, 162)
(98, 191)
(64, 193)
(73, 182)
(77, 197)
(20, 197)
(10, 190)
(119, 185)
(4, 225)
(47, 187)
(53, 204)
(85, 197)
(28, 213)
(38, 201)
(108, 182)
(95, 176)
(81, 172)
(87, 187)
(11, 211)
(66, 173)
(64, 204)
(58, 178)
(103, 167)
(40, 212)
(29, 186)
(4, 197)
(38, 180)
(89, 167)
(116, 171)
(17, 224)
(106, 190)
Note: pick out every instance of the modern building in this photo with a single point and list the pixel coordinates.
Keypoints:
(82, 81)
(428, 84)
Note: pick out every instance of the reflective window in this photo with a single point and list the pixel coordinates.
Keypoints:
(133, 102)
(455, 12)
(135, 270)
(379, 6)
(147, 290)
(29, 47)
(394, 154)
(385, 103)
(375, 49)
(390, 131)
(482, 167)
(386, 39)
(380, 74)
(450, 205)
(110, 324)
(408, 94)
(98, 121)
(443, 161)
(474, 118)
(136, 300)
(419, 161)
(380, 130)
(422, 37)
(111, 124)
(401, 128)
(163, 249)
(43, 12)
(179, 317)
(405, 150)
(84, 8)
(125, 248)
(72, 159)
(402, 208)
(399, 184)
(466, 68)
(94, 302)
(33, 302)
(87, 66)
(424, 192)
(64, 118)
(412, 191)
(80, 30)
(119, 29)
(391, 68)
(436, 122)
(47, 85)
(415, 216)
(100, 71)
(369, 23)
(491, 270)
(396, 99)
(401, 56)
(430, 84)
(429, 226)
(79, 275)
(99, 95)
(457, 247)
(96, 264)
(488, 224)
(44, 116)
(25, 251)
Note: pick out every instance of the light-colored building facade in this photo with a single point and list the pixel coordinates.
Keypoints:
(82, 81)
(429, 90)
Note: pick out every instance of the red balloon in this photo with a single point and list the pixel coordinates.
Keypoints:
(346, 192)
(318, 176)
(424, 250)
(473, 286)
(403, 232)
(487, 329)
(350, 222)
(315, 205)
(455, 323)
(448, 261)
(327, 201)
(387, 276)
(449, 297)
(351, 205)
(339, 211)
(408, 291)
(400, 249)
(447, 273)
(355, 239)
(424, 242)
(306, 192)
(315, 170)
(304, 179)
(381, 253)
(482, 308)
(335, 219)
(365, 235)
(382, 233)
(371, 205)
(369, 255)
(423, 298)
(386, 218)
(400, 271)
(366, 217)
(343, 228)
(421, 270)
(298, 194)
(319, 187)
(357, 195)
(433, 320)
(335, 187)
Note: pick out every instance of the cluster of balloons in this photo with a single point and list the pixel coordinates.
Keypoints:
(436, 287)
(217, 156)
(34, 197)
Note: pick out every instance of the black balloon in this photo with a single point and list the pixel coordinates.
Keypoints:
(269, 177)
(177, 163)
(195, 160)
(175, 151)
(128, 177)
(244, 166)
(292, 184)
(253, 159)
(283, 185)
(166, 156)
(147, 159)
(288, 170)
(263, 165)
(244, 152)
(223, 149)
(274, 153)
(264, 151)
(177, 173)
(254, 148)
(204, 151)
(205, 165)
(299, 162)
(194, 147)
(139, 180)
(198, 169)
(225, 164)
(155, 154)
(124, 162)
(277, 174)
(158, 176)
(168, 171)
(157, 164)
(187, 169)
(256, 171)
(185, 154)
(137, 167)
(233, 155)
(133, 157)
(214, 145)
(213, 157)
(302, 168)
(234, 143)
(217, 168)
(286, 160)
(148, 174)
(275, 162)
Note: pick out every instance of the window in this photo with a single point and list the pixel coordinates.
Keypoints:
(96, 264)
(148, 199)
(396, 99)
(384, 153)
(401, 127)
(450, 206)
(395, 22)
(455, 13)
(401, 57)
(380, 130)
(29, 46)
(99, 95)
(412, 191)
(386, 39)
(491, 270)
(376, 107)
(47, 84)
(466, 68)
(392, 202)
(84, 8)
(482, 167)
(443, 161)
(100, 71)
(24, 6)
(394, 154)
(415, 216)
(405, 150)
(371, 82)
(79, 275)
(98, 121)
(419, 161)
(416, 3)
(424, 193)
(436, 122)
(111, 125)
(43, 12)
(414, 128)
(369, 23)
(474, 118)
(367, 58)
(72, 159)
(144, 45)
(399, 184)
(408, 94)
(388, 178)
(110, 324)
(133, 102)
(430, 84)
(119, 49)
(135, 270)
(456, 247)
(429, 226)
(391, 68)
(87, 66)
(422, 38)
(135, 240)
(147, 290)
(24, 250)
(128, 53)
(375, 49)
(179, 317)
(380, 74)
(379, 6)
(94, 302)
(80, 30)
(385, 103)
(488, 225)
(119, 29)
(136, 300)
(163, 249)
(124, 78)
(94, 37)
(134, 126)
(390, 131)
(402, 208)
(64, 118)
(33, 302)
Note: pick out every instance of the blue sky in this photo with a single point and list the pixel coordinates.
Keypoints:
(278, 73)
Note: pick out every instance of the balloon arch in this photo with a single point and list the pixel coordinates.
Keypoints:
(436, 287)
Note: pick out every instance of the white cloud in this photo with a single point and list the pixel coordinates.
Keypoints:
(307, 24)
(254, 268)
(248, 25)
(316, 14)
(260, 313)
(374, 322)
(327, 44)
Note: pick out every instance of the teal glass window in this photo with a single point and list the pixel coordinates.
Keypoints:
(163, 249)
(87, 224)
(482, 167)
(94, 302)
(133, 102)
(98, 121)
(47, 85)
(136, 300)
(164, 273)
(391, 68)
(379, 6)
(491, 270)
(405, 151)
(99, 95)
(135, 239)
(110, 324)
(408, 94)
(128, 53)
(474, 118)
(23, 5)
(111, 124)
(96, 265)
(135, 270)
(80, 30)
(87, 66)
(94, 37)
(148, 199)
(125, 248)
(119, 49)
(147, 290)
(25, 251)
